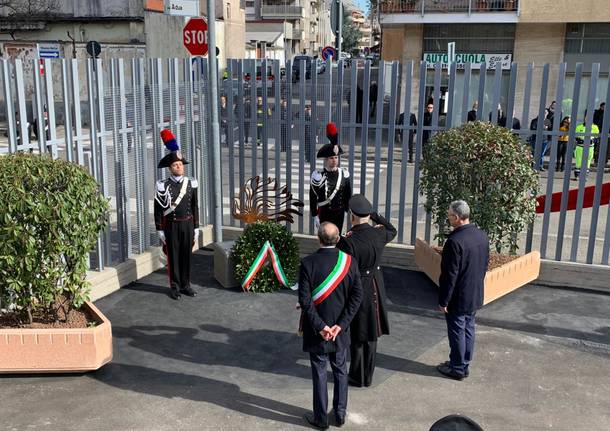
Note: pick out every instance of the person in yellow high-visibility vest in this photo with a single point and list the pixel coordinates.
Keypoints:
(579, 149)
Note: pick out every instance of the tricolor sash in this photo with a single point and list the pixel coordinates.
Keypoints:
(266, 250)
(333, 279)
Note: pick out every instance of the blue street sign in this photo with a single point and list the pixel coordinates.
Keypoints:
(328, 52)
(48, 51)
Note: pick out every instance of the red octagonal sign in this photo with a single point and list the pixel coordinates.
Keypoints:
(194, 36)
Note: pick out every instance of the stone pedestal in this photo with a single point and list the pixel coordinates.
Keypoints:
(223, 265)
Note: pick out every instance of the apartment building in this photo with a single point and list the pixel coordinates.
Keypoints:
(500, 31)
(284, 28)
(124, 28)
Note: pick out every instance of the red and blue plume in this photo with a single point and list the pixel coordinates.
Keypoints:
(332, 134)
(169, 140)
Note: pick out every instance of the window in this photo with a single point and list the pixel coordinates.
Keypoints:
(472, 38)
(228, 11)
(588, 38)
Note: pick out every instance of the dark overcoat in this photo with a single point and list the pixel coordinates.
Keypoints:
(338, 308)
(463, 267)
(366, 243)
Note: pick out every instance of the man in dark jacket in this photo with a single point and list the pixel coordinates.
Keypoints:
(366, 243)
(463, 268)
(330, 292)
(399, 132)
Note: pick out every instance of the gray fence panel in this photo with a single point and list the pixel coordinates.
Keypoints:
(587, 147)
(551, 167)
(394, 101)
(599, 176)
(407, 130)
(568, 166)
(418, 150)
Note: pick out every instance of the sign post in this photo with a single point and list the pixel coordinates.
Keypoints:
(194, 36)
(451, 52)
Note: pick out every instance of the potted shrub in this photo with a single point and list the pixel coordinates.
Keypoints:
(51, 215)
(488, 167)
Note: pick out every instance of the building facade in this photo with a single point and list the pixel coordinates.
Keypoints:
(500, 31)
(294, 26)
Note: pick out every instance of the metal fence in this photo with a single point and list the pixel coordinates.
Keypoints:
(107, 116)
(268, 130)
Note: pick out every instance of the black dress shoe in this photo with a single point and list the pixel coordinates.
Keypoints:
(188, 292)
(447, 371)
(174, 294)
(339, 421)
(354, 382)
(466, 373)
(311, 421)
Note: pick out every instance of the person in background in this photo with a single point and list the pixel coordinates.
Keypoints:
(582, 160)
(472, 114)
(399, 132)
(562, 142)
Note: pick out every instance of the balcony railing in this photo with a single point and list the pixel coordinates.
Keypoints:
(448, 6)
(281, 11)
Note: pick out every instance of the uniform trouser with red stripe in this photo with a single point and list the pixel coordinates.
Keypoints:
(179, 237)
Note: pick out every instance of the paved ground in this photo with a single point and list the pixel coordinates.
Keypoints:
(231, 361)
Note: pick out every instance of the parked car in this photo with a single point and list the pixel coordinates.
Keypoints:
(320, 66)
(296, 67)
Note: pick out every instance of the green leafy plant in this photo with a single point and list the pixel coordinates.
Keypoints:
(51, 213)
(488, 167)
(248, 245)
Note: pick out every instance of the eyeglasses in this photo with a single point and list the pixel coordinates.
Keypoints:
(429, 107)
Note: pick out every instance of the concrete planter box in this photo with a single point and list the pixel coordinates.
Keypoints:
(498, 281)
(57, 350)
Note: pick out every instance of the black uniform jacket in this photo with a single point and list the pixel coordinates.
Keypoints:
(187, 208)
(366, 243)
(338, 308)
(323, 184)
(463, 268)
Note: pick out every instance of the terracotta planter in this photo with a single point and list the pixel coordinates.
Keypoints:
(57, 350)
(498, 282)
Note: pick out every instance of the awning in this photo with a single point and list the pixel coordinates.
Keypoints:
(269, 37)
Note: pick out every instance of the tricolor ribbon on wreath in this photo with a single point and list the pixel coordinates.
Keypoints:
(265, 251)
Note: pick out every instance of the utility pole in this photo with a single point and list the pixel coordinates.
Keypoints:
(213, 74)
(339, 23)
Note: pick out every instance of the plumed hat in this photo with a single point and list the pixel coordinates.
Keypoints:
(332, 148)
(172, 146)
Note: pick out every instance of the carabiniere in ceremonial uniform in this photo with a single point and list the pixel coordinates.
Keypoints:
(366, 243)
(331, 187)
(177, 218)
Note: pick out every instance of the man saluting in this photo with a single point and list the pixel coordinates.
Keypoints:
(331, 187)
(366, 243)
(329, 294)
(177, 217)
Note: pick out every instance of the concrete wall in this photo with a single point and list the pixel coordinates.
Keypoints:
(163, 35)
(103, 32)
(564, 11)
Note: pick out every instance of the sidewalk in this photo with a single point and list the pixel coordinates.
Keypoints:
(226, 360)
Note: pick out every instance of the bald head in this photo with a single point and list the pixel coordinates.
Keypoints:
(328, 234)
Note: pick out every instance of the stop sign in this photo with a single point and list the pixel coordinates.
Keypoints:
(193, 36)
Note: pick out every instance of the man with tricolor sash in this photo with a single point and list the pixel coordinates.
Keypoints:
(330, 292)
